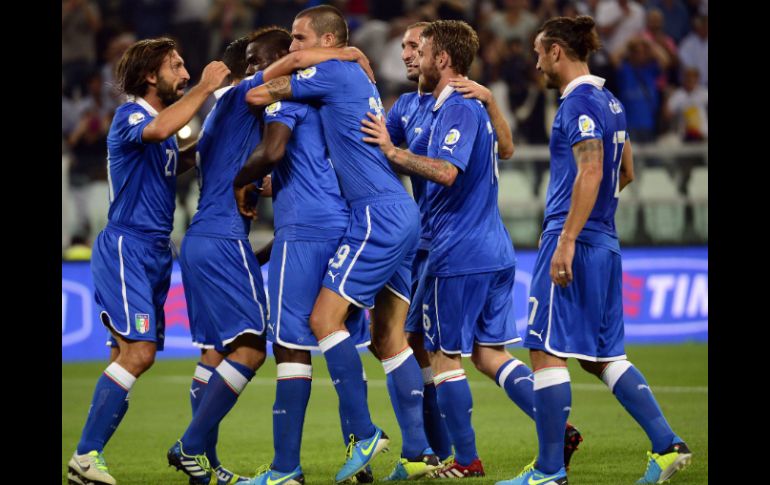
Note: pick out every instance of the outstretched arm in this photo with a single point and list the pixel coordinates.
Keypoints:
(434, 169)
(472, 89)
(270, 92)
(626, 166)
(315, 55)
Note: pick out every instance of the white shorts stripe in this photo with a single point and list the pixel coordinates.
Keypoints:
(251, 280)
(122, 289)
(355, 258)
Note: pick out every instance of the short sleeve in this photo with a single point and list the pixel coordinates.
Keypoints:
(130, 122)
(582, 120)
(285, 112)
(454, 135)
(315, 82)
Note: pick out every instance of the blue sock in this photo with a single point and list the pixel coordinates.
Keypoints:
(516, 378)
(633, 392)
(345, 423)
(405, 387)
(456, 403)
(292, 394)
(109, 397)
(116, 419)
(198, 388)
(553, 398)
(346, 371)
(435, 427)
(224, 387)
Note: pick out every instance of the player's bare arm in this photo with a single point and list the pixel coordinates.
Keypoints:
(626, 165)
(173, 118)
(589, 156)
(316, 55)
(260, 163)
(270, 92)
(472, 89)
(433, 169)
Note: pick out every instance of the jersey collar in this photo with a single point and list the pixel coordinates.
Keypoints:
(143, 103)
(443, 96)
(595, 81)
(219, 92)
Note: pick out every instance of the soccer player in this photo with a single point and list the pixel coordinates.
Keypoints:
(576, 295)
(131, 260)
(223, 283)
(467, 309)
(372, 264)
(310, 218)
(409, 117)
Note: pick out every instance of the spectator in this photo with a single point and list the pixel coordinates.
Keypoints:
(655, 34)
(694, 49)
(229, 20)
(676, 18)
(111, 97)
(190, 28)
(80, 21)
(640, 65)
(514, 22)
(687, 108)
(618, 21)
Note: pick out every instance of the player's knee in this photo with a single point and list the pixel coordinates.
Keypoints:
(138, 358)
(287, 355)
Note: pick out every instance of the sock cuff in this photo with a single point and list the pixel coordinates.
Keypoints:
(120, 376)
(550, 376)
(449, 376)
(293, 370)
(232, 376)
(392, 363)
(613, 372)
(330, 341)
(505, 370)
(427, 375)
(202, 373)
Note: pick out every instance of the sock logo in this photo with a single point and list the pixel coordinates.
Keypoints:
(525, 378)
(279, 411)
(642, 386)
(415, 392)
(335, 382)
(193, 390)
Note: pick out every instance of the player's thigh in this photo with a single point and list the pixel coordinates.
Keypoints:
(496, 325)
(453, 307)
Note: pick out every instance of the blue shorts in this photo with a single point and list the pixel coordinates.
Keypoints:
(376, 251)
(132, 275)
(295, 274)
(419, 280)
(585, 319)
(224, 290)
(469, 309)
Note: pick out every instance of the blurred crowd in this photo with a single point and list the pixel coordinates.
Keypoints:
(654, 58)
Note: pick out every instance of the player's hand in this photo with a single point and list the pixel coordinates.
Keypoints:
(267, 186)
(362, 61)
(243, 197)
(213, 76)
(561, 262)
(471, 89)
(379, 133)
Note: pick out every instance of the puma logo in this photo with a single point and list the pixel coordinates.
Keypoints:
(538, 335)
(333, 275)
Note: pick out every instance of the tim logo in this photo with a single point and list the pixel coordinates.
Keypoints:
(76, 313)
(665, 295)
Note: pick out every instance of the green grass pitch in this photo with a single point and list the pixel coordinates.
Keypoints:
(613, 451)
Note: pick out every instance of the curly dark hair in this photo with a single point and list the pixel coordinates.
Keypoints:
(141, 59)
(457, 39)
(577, 36)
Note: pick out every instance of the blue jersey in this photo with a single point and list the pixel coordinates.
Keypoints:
(141, 176)
(229, 135)
(409, 121)
(344, 95)
(306, 194)
(588, 111)
(468, 232)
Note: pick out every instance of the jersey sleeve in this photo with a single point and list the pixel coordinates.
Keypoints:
(285, 112)
(315, 82)
(455, 133)
(583, 120)
(394, 125)
(130, 122)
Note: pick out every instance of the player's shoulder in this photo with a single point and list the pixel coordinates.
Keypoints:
(133, 112)
(457, 105)
(284, 107)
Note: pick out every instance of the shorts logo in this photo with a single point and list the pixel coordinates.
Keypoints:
(586, 125)
(272, 109)
(452, 137)
(306, 73)
(135, 118)
(142, 322)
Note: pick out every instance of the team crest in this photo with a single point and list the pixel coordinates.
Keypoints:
(142, 321)
(135, 118)
(586, 125)
(272, 109)
(452, 137)
(306, 73)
